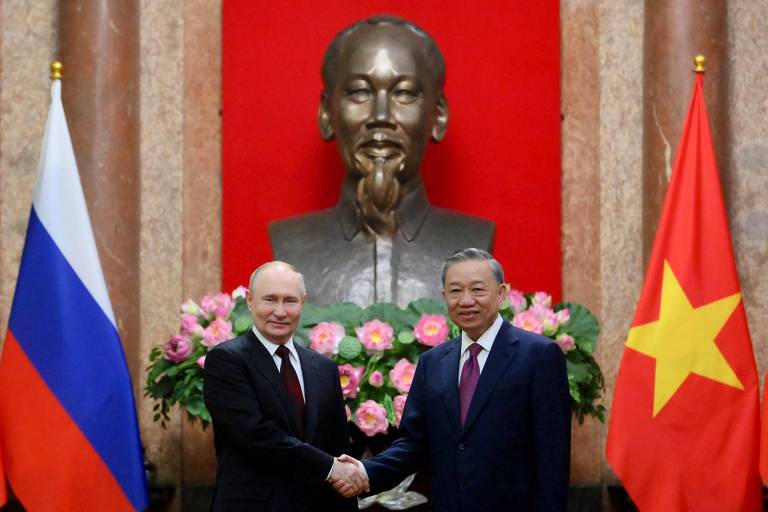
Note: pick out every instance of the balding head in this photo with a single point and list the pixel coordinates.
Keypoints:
(278, 266)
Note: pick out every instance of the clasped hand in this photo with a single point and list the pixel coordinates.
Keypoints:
(347, 478)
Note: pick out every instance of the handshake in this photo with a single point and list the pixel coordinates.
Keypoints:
(348, 477)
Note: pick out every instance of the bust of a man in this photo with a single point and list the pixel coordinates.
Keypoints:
(382, 102)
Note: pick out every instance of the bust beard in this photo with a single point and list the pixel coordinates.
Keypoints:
(378, 194)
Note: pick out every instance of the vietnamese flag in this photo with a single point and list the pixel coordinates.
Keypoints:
(684, 431)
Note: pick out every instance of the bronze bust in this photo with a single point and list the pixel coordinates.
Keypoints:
(382, 101)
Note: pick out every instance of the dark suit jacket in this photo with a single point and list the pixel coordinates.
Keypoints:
(262, 466)
(512, 453)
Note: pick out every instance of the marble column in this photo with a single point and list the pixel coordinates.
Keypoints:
(676, 31)
(99, 48)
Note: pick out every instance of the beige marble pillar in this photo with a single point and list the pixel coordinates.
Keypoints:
(202, 193)
(676, 31)
(621, 197)
(99, 48)
(580, 107)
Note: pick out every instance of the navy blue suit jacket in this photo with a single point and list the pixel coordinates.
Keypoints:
(513, 452)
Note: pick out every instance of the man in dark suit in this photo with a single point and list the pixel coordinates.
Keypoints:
(488, 412)
(277, 409)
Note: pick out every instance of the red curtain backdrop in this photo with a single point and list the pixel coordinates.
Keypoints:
(499, 160)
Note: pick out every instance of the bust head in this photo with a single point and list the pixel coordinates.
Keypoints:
(383, 101)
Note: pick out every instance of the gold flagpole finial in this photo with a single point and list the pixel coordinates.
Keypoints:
(56, 68)
(699, 62)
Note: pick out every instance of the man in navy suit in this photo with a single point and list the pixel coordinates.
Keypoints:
(277, 409)
(488, 412)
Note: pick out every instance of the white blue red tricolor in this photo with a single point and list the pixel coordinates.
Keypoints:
(69, 438)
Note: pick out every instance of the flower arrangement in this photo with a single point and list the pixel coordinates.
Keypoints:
(376, 349)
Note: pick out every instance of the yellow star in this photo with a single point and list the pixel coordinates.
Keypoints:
(682, 340)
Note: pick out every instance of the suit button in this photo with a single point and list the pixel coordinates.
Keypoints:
(461, 446)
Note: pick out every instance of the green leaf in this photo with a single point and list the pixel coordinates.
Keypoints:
(301, 336)
(157, 369)
(428, 306)
(161, 388)
(242, 324)
(195, 405)
(406, 337)
(577, 372)
(399, 319)
(583, 325)
(390, 407)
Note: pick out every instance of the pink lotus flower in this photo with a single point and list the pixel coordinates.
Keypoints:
(239, 292)
(177, 349)
(431, 330)
(566, 342)
(376, 379)
(217, 331)
(190, 326)
(529, 321)
(517, 301)
(563, 316)
(399, 405)
(402, 375)
(547, 317)
(542, 298)
(190, 308)
(201, 362)
(218, 306)
(207, 306)
(376, 336)
(371, 418)
(350, 379)
(325, 337)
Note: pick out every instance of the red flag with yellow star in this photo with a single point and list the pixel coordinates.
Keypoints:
(684, 430)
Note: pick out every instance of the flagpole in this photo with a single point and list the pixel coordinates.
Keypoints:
(56, 68)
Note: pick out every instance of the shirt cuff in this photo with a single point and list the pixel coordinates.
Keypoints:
(328, 478)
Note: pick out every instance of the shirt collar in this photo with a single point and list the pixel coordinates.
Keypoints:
(272, 347)
(410, 214)
(486, 339)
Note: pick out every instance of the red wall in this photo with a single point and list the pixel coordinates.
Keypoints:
(500, 158)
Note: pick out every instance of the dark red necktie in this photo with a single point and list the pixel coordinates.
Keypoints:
(470, 374)
(291, 381)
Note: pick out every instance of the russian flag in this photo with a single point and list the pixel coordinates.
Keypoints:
(69, 439)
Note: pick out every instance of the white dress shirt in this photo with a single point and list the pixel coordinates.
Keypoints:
(293, 357)
(485, 340)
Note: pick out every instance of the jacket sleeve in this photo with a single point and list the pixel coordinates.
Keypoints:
(237, 414)
(407, 454)
(551, 415)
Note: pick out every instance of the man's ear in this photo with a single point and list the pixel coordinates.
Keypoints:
(441, 121)
(324, 118)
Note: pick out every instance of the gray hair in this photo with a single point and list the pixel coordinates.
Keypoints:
(268, 264)
(432, 53)
(472, 254)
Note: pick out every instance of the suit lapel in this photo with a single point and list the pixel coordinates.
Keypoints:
(264, 363)
(449, 387)
(504, 350)
(310, 370)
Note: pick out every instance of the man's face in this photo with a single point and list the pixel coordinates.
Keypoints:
(275, 302)
(383, 105)
(473, 296)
